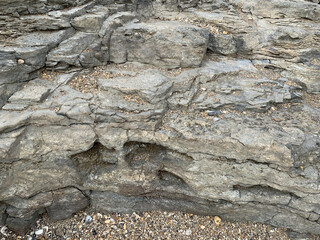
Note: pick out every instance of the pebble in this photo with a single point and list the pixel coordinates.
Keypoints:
(217, 220)
(214, 113)
(20, 61)
(39, 232)
(88, 219)
(149, 225)
(215, 119)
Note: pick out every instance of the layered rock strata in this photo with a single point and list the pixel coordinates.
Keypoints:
(209, 107)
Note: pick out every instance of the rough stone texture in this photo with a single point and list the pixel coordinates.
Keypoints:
(165, 44)
(89, 22)
(68, 52)
(3, 215)
(66, 202)
(235, 136)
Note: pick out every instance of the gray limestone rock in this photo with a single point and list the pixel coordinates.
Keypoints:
(69, 50)
(282, 9)
(35, 7)
(22, 225)
(36, 202)
(222, 44)
(243, 93)
(46, 38)
(72, 12)
(167, 44)
(65, 203)
(34, 92)
(3, 215)
(150, 85)
(235, 136)
(115, 21)
(45, 22)
(89, 22)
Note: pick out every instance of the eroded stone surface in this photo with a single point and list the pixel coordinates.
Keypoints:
(168, 44)
(66, 202)
(235, 136)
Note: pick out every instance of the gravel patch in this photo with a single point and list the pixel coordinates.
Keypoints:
(149, 225)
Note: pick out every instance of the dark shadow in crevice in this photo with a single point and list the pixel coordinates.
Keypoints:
(170, 179)
(138, 154)
(97, 158)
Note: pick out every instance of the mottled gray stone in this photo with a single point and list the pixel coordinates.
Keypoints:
(222, 44)
(167, 44)
(36, 7)
(8, 141)
(235, 136)
(151, 85)
(34, 92)
(69, 50)
(45, 22)
(12, 120)
(49, 139)
(65, 203)
(50, 39)
(3, 215)
(22, 225)
(243, 93)
(282, 9)
(115, 21)
(73, 12)
(89, 22)
(22, 185)
(35, 202)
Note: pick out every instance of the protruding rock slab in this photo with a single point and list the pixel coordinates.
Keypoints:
(164, 44)
(65, 203)
(89, 22)
(150, 85)
(68, 51)
(33, 92)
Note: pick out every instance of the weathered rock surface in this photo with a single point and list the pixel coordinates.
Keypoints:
(66, 202)
(3, 215)
(209, 107)
(165, 44)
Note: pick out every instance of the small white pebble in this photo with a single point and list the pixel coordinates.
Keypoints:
(39, 232)
(20, 61)
(88, 219)
(3, 231)
(188, 232)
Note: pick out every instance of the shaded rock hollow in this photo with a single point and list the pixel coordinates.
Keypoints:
(209, 107)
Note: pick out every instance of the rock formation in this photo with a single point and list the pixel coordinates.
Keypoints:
(209, 107)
